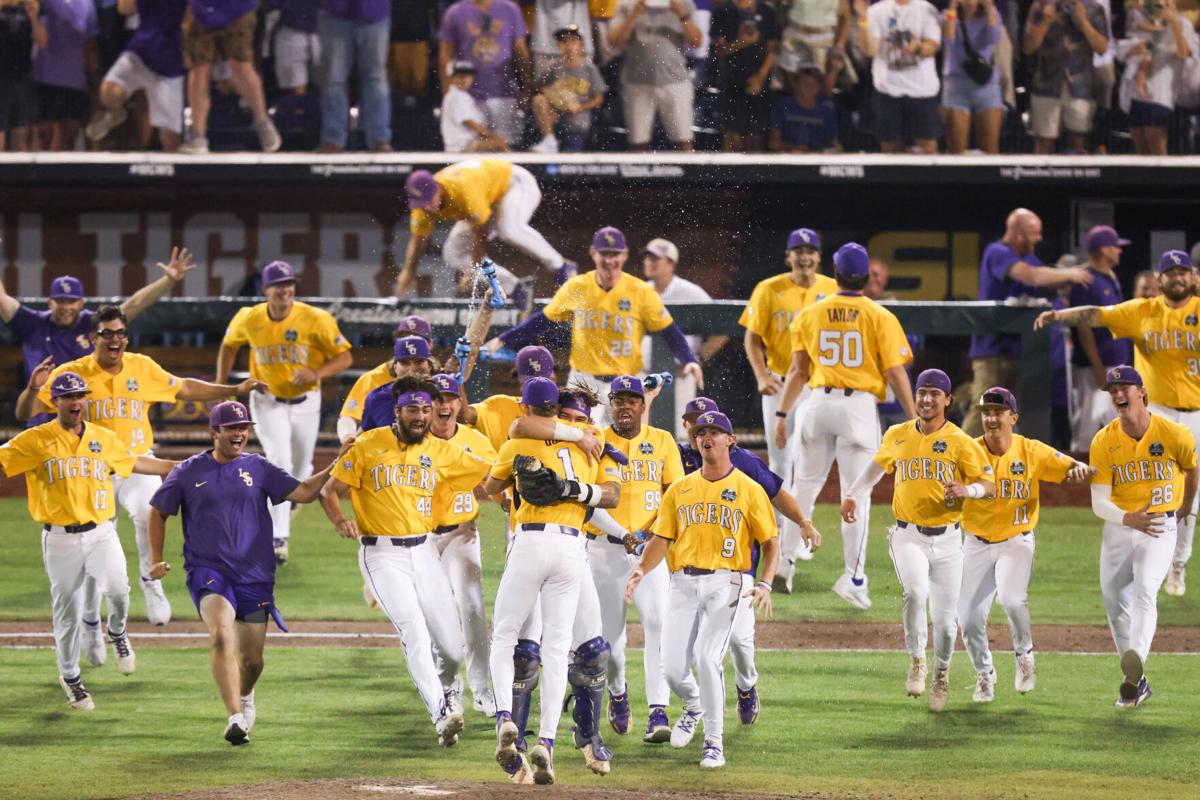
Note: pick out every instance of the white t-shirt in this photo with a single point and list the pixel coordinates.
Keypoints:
(459, 108)
(895, 72)
(679, 290)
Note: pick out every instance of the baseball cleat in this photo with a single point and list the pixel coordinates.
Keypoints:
(685, 728)
(940, 692)
(747, 705)
(449, 725)
(237, 731)
(1134, 696)
(522, 773)
(985, 688)
(78, 697)
(597, 758)
(158, 608)
(281, 551)
(568, 270)
(126, 659)
(1133, 669)
(713, 756)
(249, 712)
(507, 755)
(658, 727)
(855, 595)
(93, 644)
(782, 582)
(619, 714)
(1176, 586)
(1026, 677)
(484, 703)
(542, 758)
(915, 683)
(453, 700)
(369, 598)
(1143, 692)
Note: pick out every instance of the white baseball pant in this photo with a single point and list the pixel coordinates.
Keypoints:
(700, 616)
(1133, 567)
(438, 607)
(68, 558)
(1186, 531)
(741, 644)
(1091, 409)
(998, 571)
(462, 566)
(288, 435)
(930, 570)
(133, 494)
(778, 458)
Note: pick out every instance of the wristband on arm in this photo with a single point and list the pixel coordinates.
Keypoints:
(567, 433)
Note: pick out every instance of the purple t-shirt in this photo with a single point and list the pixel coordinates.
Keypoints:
(69, 24)
(1104, 291)
(213, 14)
(157, 41)
(984, 39)
(364, 10)
(379, 409)
(742, 459)
(40, 337)
(486, 39)
(226, 518)
(994, 284)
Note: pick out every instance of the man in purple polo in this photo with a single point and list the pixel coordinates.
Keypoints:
(410, 356)
(353, 31)
(228, 553)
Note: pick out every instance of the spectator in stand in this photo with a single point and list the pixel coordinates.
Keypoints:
(1145, 284)
(572, 90)
(654, 77)
(491, 34)
(813, 28)
(1062, 36)
(463, 123)
(152, 63)
(64, 71)
(223, 30)
(551, 17)
(877, 281)
(804, 121)
(296, 46)
(902, 37)
(355, 33)
(745, 41)
(408, 57)
(971, 96)
(1153, 64)
(20, 29)
(699, 57)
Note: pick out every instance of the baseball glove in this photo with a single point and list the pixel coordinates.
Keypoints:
(537, 484)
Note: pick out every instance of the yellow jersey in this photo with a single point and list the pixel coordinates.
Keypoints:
(470, 191)
(392, 484)
(306, 337)
(923, 464)
(1168, 343)
(773, 305)
(366, 383)
(1147, 470)
(67, 476)
(121, 402)
(852, 342)
(495, 416)
(608, 326)
(712, 524)
(454, 499)
(1018, 475)
(654, 464)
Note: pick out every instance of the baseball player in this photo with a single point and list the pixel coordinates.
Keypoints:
(352, 406)
(122, 387)
(1144, 478)
(293, 347)
(410, 356)
(495, 415)
(1164, 333)
(998, 540)
(390, 474)
(485, 198)
(936, 467)
(847, 350)
(67, 464)
(610, 313)
(545, 563)
(716, 513)
(228, 554)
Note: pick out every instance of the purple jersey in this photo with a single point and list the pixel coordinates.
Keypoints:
(226, 518)
(742, 459)
(487, 39)
(40, 337)
(379, 409)
(995, 284)
(1104, 291)
(69, 24)
(157, 40)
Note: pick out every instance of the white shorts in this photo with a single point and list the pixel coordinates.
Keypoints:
(164, 95)
(296, 54)
(672, 103)
(1048, 114)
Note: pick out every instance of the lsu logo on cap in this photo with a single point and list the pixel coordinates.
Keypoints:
(1157, 449)
(442, 382)
(94, 446)
(707, 419)
(1114, 374)
(626, 383)
(729, 495)
(536, 366)
(426, 461)
(69, 384)
(609, 239)
(940, 446)
(411, 348)
(410, 324)
(131, 385)
(1175, 259)
(64, 285)
(702, 405)
(803, 236)
(237, 412)
(646, 448)
(291, 335)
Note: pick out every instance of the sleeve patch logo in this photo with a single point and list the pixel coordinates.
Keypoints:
(347, 465)
(351, 403)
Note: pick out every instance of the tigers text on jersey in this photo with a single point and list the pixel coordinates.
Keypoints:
(357, 398)
(712, 524)
(1168, 343)
(851, 341)
(306, 337)
(121, 402)
(1147, 470)
(67, 477)
(608, 326)
(470, 190)
(654, 464)
(1018, 475)
(495, 415)
(392, 484)
(773, 305)
(923, 464)
(454, 499)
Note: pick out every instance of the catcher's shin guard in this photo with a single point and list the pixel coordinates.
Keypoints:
(527, 657)
(588, 674)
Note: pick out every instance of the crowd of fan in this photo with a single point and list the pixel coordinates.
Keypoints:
(568, 75)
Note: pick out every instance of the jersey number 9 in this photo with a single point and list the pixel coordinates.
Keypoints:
(843, 348)
(728, 547)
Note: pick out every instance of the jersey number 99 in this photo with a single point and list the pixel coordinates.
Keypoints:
(653, 499)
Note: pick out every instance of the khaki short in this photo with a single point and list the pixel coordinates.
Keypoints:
(234, 42)
(408, 67)
(1047, 115)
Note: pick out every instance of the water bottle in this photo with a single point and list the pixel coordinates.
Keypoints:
(462, 352)
(655, 379)
(488, 268)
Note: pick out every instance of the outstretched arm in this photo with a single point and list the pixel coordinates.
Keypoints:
(310, 488)
(8, 305)
(150, 465)
(179, 266)
(1088, 316)
(157, 535)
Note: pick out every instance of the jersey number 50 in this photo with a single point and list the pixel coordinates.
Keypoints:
(843, 348)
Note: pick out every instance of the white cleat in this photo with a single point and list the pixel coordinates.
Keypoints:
(685, 728)
(543, 764)
(249, 712)
(985, 687)
(1026, 677)
(940, 693)
(237, 732)
(78, 697)
(448, 726)
(158, 607)
(1176, 580)
(523, 776)
(714, 756)
(126, 658)
(914, 684)
(854, 595)
(507, 754)
(597, 765)
(94, 648)
(485, 703)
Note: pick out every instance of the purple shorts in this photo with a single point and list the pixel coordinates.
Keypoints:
(247, 599)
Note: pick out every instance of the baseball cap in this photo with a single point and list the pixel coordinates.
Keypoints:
(998, 396)
(851, 261)
(410, 347)
(414, 325)
(539, 392)
(609, 239)
(1103, 236)
(230, 412)
(569, 30)
(1122, 374)
(699, 405)
(713, 419)
(933, 379)
(575, 400)
(1174, 259)
(68, 383)
(277, 272)
(534, 361)
(627, 384)
(420, 189)
(66, 288)
(663, 249)
(459, 68)
(803, 237)
(446, 383)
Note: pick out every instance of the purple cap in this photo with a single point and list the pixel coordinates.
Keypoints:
(699, 405)
(574, 400)
(608, 239)
(998, 396)
(420, 188)
(539, 392)
(230, 412)
(66, 288)
(447, 384)
(1102, 236)
(414, 326)
(803, 237)
(851, 261)
(1122, 374)
(68, 383)
(277, 272)
(534, 361)
(713, 419)
(628, 384)
(933, 379)
(410, 347)
(1174, 259)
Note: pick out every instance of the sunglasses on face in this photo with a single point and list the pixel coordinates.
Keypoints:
(113, 333)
